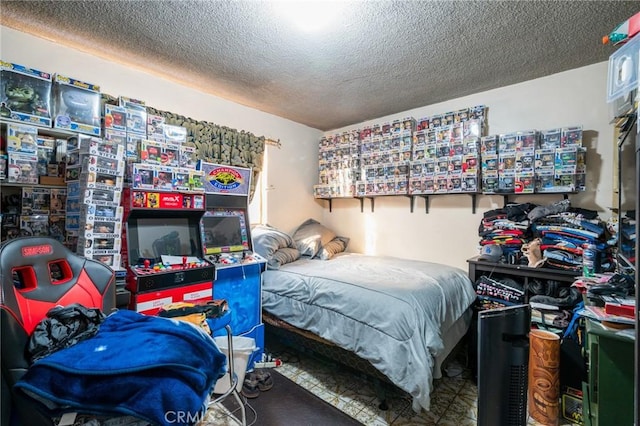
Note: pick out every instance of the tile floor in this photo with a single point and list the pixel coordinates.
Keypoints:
(453, 399)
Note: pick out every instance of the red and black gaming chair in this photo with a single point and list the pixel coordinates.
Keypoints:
(37, 274)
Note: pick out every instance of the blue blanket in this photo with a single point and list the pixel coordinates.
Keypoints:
(157, 369)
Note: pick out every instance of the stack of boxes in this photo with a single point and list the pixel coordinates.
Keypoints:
(22, 157)
(163, 162)
(438, 154)
(569, 164)
(528, 161)
(446, 152)
(385, 158)
(338, 164)
(94, 188)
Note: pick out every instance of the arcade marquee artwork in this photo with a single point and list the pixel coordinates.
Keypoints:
(229, 180)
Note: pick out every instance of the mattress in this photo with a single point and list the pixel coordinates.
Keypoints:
(392, 312)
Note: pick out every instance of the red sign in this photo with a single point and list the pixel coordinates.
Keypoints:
(37, 250)
(170, 200)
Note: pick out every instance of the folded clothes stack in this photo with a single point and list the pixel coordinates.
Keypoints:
(506, 229)
(564, 231)
(564, 237)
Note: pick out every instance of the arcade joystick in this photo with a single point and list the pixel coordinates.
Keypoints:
(147, 264)
(184, 262)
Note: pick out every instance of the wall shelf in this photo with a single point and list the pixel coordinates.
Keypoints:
(427, 198)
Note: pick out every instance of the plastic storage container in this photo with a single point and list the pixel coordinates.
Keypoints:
(243, 347)
(624, 67)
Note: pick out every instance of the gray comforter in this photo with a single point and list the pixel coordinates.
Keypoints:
(391, 312)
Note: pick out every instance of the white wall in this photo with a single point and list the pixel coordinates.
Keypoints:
(449, 233)
(290, 178)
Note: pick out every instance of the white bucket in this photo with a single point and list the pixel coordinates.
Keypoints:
(243, 347)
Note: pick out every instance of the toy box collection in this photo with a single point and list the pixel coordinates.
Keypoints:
(109, 145)
(449, 153)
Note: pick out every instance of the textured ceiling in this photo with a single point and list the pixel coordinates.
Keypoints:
(376, 58)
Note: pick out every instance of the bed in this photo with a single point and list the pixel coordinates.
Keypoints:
(402, 316)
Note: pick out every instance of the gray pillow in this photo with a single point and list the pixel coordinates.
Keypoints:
(333, 247)
(282, 257)
(311, 236)
(267, 240)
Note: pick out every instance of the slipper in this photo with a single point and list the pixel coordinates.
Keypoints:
(265, 382)
(250, 388)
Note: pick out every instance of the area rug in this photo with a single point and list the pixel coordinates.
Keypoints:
(290, 404)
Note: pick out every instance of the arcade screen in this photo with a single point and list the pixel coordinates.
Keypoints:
(152, 237)
(224, 231)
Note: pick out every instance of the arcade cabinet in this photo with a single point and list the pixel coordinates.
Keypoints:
(162, 248)
(226, 236)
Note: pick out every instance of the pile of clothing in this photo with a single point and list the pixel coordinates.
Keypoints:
(564, 232)
(507, 228)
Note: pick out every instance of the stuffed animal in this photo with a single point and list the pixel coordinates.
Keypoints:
(533, 253)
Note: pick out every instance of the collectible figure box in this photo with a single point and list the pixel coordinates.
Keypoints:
(76, 105)
(115, 117)
(72, 173)
(35, 225)
(95, 180)
(550, 139)
(188, 157)
(571, 136)
(524, 182)
(22, 168)
(137, 121)
(25, 94)
(489, 144)
(57, 200)
(175, 134)
(99, 246)
(143, 176)
(46, 156)
(155, 127)
(102, 229)
(102, 197)
(131, 103)
(103, 165)
(22, 138)
(469, 182)
(57, 226)
(151, 151)
(35, 201)
(527, 140)
(93, 212)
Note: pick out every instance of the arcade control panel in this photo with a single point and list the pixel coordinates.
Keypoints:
(148, 277)
(243, 258)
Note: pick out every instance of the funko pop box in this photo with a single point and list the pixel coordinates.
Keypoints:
(76, 105)
(25, 94)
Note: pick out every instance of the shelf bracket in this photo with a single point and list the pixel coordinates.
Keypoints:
(330, 204)
(473, 203)
(411, 200)
(426, 203)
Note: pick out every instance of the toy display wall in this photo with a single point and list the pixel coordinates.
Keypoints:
(41, 112)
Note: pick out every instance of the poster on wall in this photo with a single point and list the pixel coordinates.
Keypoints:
(227, 180)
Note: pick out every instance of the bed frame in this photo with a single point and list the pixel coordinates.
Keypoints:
(299, 338)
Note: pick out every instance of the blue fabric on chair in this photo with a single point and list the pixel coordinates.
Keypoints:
(156, 369)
